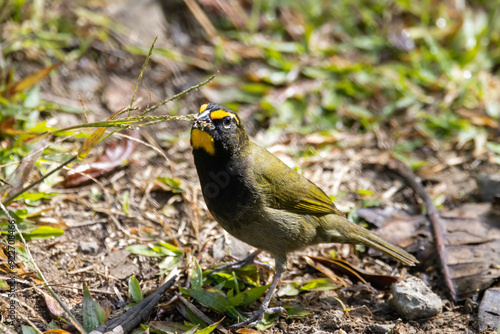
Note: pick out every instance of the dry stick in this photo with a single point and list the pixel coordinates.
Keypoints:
(131, 319)
(40, 274)
(433, 215)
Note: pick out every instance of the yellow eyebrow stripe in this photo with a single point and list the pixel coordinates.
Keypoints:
(203, 107)
(220, 114)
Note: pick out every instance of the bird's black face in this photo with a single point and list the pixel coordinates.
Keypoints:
(217, 130)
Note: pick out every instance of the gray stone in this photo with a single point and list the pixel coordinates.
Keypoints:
(230, 245)
(489, 186)
(88, 247)
(335, 319)
(381, 329)
(119, 265)
(412, 299)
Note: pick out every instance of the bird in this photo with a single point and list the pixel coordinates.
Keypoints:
(261, 201)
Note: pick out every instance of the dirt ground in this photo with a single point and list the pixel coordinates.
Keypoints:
(98, 228)
(94, 214)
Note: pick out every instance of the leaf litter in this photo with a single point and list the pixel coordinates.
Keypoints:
(113, 225)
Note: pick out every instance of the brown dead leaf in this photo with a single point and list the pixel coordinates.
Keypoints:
(325, 271)
(7, 125)
(381, 282)
(29, 81)
(395, 226)
(472, 243)
(293, 21)
(247, 331)
(477, 117)
(112, 157)
(489, 311)
(53, 306)
(107, 307)
(12, 265)
(471, 237)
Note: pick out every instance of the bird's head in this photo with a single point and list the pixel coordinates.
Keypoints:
(218, 131)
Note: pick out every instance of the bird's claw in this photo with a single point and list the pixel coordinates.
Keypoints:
(257, 317)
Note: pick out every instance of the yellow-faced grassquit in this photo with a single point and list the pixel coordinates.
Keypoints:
(258, 199)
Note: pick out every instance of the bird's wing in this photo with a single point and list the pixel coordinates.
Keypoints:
(283, 188)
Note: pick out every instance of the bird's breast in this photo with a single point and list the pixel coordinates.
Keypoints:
(226, 188)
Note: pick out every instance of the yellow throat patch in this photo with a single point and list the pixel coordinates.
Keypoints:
(201, 139)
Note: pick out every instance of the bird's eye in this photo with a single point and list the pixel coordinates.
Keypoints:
(227, 122)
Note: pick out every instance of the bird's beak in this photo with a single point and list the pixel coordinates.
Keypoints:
(203, 121)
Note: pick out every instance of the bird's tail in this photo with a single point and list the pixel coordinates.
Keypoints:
(339, 229)
(372, 240)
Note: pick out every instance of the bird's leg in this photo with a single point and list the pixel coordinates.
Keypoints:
(264, 308)
(242, 263)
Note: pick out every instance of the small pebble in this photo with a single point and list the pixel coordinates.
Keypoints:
(335, 319)
(412, 299)
(381, 329)
(340, 331)
(88, 247)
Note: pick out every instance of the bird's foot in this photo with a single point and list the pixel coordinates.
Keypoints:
(254, 320)
(243, 263)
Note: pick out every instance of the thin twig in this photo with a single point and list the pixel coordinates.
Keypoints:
(142, 72)
(433, 215)
(130, 319)
(131, 121)
(177, 95)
